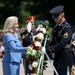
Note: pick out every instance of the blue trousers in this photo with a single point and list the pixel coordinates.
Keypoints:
(64, 71)
(11, 68)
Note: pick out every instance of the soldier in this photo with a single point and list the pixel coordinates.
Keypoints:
(27, 37)
(62, 34)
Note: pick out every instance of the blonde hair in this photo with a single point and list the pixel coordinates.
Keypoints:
(9, 23)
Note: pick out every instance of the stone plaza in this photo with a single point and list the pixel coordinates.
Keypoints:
(48, 71)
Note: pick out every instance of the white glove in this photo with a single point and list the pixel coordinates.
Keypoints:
(29, 27)
(43, 50)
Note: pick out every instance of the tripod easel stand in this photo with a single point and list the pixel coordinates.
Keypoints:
(40, 67)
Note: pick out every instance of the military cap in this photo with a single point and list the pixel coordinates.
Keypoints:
(56, 11)
(30, 19)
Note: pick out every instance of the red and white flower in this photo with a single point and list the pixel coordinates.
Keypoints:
(40, 36)
(43, 30)
(37, 44)
(34, 64)
(30, 51)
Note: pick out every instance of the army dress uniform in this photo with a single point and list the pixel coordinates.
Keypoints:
(62, 34)
(27, 39)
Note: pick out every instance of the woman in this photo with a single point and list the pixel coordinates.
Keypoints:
(13, 48)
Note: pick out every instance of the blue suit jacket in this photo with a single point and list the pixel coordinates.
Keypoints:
(13, 48)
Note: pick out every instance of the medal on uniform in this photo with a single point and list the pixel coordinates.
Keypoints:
(59, 33)
(23, 36)
(30, 37)
(65, 35)
(26, 35)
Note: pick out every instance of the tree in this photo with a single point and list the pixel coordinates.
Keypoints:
(39, 8)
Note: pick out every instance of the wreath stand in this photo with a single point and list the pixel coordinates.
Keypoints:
(40, 67)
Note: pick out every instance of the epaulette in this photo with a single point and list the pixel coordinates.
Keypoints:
(68, 26)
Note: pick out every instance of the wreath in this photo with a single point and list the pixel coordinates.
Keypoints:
(34, 50)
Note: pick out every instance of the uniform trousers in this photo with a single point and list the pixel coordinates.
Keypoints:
(11, 68)
(64, 71)
(26, 65)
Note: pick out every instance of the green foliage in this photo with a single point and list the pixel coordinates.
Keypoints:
(39, 8)
(40, 74)
(2, 4)
(46, 24)
(1, 26)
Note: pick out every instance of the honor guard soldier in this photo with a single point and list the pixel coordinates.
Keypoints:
(27, 37)
(62, 35)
